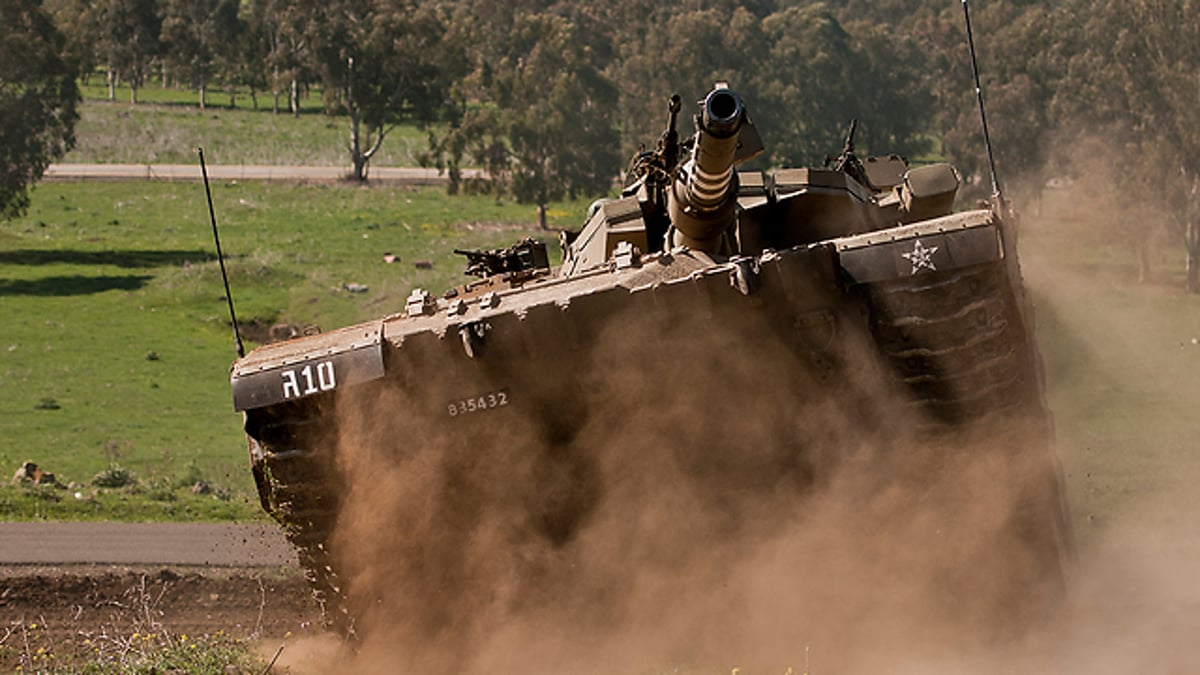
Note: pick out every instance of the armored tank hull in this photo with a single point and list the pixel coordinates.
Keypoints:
(762, 326)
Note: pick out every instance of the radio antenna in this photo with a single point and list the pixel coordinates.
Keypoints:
(212, 215)
(987, 141)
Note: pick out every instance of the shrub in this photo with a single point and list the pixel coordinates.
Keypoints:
(115, 476)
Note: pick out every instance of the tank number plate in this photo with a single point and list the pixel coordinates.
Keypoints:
(310, 379)
(488, 401)
(295, 380)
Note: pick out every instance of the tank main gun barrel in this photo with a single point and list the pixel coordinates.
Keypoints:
(703, 200)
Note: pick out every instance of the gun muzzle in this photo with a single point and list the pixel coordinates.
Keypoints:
(703, 199)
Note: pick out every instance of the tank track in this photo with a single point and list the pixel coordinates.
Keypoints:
(960, 343)
(302, 495)
(957, 342)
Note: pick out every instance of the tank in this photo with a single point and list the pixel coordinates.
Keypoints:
(714, 295)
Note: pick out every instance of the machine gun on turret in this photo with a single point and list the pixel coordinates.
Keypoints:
(848, 161)
(527, 255)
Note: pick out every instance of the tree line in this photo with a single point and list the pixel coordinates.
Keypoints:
(555, 83)
(550, 96)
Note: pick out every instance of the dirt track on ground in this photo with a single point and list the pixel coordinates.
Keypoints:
(188, 544)
(391, 175)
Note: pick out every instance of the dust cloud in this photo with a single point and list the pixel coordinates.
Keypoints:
(678, 510)
(693, 513)
(1134, 601)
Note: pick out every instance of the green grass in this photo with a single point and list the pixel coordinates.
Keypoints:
(95, 88)
(166, 124)
(1123, 375)
(161, 496)
(116, 345)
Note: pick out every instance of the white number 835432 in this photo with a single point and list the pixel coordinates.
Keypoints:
(488, 401)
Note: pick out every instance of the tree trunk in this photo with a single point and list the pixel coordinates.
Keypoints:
(133, 90)
(1192, 241)
(294, 98)
(360, 168)
(357, 156)
(112, 84)
(356, 152)
(542, 216)
(203, 95)
(1143, 253)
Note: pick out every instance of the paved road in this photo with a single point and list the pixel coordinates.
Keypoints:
(199, 544)
(191, 172)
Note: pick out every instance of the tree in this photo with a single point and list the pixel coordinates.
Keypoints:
(76, 19)
(544, 122)
(196, 34)
(891, 93)
(38, 98)
(128, 41)
(284, 25)
(250, 65)
(1133, 79)
(560, 118)
(812, 86)
(801, 73)
(685, 52)
(379, 63)
(1021, 66)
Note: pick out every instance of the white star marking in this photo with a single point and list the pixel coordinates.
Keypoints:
(921, 257)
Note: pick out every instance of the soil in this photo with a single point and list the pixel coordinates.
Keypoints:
(179, 600)
(70, 609)
(71, 588)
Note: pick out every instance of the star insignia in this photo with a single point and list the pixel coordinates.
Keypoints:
(921, 257)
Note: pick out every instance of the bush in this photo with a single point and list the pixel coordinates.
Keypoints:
(115, 476)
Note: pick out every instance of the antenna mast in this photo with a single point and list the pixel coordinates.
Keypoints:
(212, 215)
(987, 141)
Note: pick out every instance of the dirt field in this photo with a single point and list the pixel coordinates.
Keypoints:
(68, 609)
(184, 600)
(70, 588)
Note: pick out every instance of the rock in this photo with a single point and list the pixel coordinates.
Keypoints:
(282, 331)
(25, 474)
(356, 288)
(30, 473)
(423, 264)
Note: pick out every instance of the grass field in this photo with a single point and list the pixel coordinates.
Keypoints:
(166, 124)
(116, 345)
(1123, 370)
